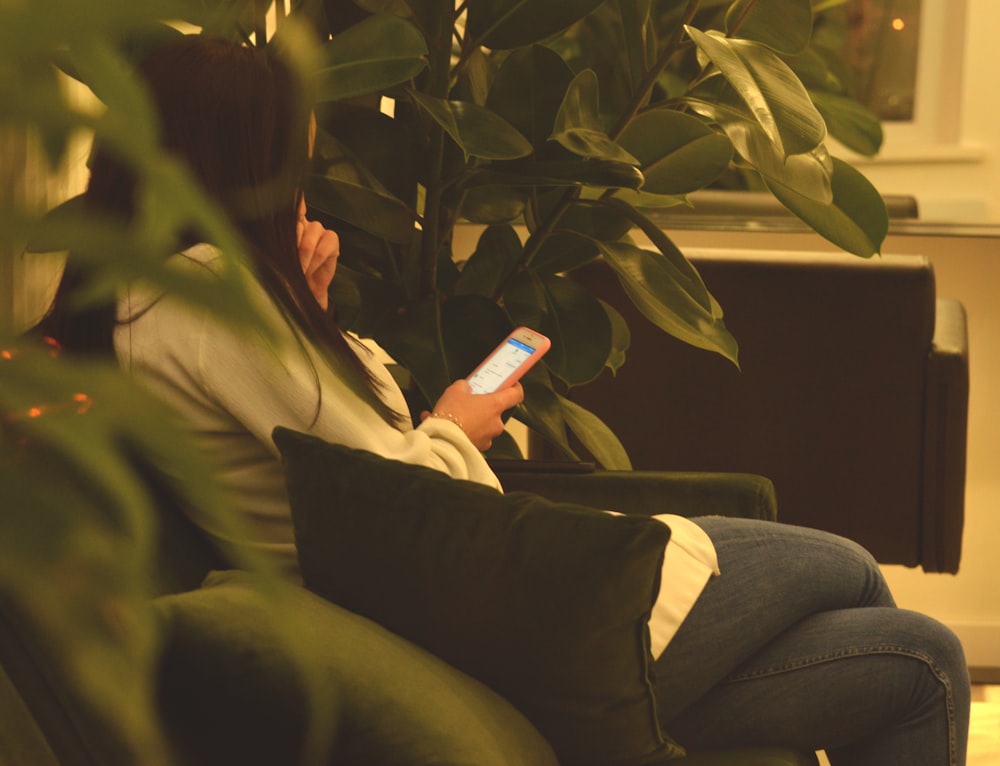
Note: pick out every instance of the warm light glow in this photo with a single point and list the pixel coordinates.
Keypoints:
(6, 354)
(898, 24)
(35, 412)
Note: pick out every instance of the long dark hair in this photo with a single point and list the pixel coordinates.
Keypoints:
(237, 115)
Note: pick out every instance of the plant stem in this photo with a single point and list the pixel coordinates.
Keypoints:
(651, 76)
(538, 237)
(438, 86)
(740, 21)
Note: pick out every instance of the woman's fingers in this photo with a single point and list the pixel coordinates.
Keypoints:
(319, 249)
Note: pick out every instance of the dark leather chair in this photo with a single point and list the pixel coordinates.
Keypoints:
(852, 395)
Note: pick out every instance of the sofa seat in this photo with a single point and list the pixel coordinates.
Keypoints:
(260, 671)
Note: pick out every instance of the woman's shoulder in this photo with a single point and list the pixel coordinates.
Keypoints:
(201, 256)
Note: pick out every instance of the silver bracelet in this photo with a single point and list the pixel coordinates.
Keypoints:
(448, 416)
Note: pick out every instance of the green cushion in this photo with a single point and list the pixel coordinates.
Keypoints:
(246, 659)
(749, 756)
(546, 603)
(650, 492)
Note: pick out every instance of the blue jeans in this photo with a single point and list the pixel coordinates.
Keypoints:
(799, 644)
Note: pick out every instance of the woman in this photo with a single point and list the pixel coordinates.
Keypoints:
(797, 642)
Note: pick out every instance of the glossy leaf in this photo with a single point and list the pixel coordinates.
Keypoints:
(856, 220)
(656, 289)
(621, 337)
(807, 173)
(504, 24)
(855, 126)
(478, 131)
(493, 261)
(471, 327)
(595, 435)
(578, 125)
(413, 338)
(427, 12)
(640, 38)
(370, 209)
(774, 96)
(679, 267)
(493, 204)
(570, 316)
(783, 25)
(677, 153)
(584, 172)
(375, 54)
(527, 92)
(542, 412)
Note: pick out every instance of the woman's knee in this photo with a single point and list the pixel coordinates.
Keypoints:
(807, 559)
(934, 643)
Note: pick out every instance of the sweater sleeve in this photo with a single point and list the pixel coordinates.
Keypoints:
(243, 380)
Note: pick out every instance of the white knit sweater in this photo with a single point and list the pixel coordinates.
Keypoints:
(232, 388)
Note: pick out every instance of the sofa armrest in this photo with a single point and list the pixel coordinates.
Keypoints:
(946, 404)
(651, 492)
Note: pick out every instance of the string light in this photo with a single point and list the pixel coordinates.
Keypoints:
(78, 402)
(898, 24)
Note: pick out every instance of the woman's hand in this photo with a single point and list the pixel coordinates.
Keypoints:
(476, 414)
(319, 249)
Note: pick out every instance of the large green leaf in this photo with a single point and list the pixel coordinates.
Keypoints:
(527, 93)
(413, 338)
(584, 172)
(370, 209)
(372, 149)
(563, 250)
(427, 12)
(471, 326)
(850, 122)
(375, 54)
(774, 96)
(662, 295)
(504, 24)
(542, 412)
(856, 220)
(621, 337)
(640, 38)
(578, 126)
(784, 25)
(808, 173)
(594, 434)
(478, 131)
(569, 315)
(679, 267)
(493, 204)
(677, 153)
(493, 261)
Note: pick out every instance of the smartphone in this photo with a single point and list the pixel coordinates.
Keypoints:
(509, 361)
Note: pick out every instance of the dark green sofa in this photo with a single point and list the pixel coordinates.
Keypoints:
(249, 661)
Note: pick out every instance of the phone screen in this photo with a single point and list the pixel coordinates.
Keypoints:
(500, 366)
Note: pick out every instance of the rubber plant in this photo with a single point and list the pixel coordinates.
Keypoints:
(473, 155)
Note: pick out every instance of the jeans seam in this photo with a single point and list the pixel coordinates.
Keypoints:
(864, 651)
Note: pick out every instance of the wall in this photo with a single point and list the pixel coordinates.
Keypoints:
(957, 179)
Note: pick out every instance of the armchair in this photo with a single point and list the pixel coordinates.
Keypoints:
(852, 395)
(232, 687)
